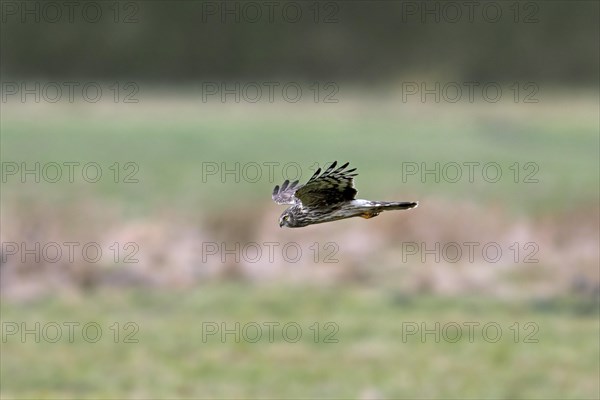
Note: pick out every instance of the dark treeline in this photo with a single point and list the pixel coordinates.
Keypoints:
(554, 41)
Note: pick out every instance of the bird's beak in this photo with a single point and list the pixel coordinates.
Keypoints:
(281, 224)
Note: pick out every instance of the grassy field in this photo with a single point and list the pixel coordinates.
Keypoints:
(556, 356)
(547, 349)
(170, 141)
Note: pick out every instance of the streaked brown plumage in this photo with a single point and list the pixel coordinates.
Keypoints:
(327, 197)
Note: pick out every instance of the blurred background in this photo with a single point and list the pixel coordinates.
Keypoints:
(141, 254)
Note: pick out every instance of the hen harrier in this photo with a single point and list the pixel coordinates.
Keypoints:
(328, 197)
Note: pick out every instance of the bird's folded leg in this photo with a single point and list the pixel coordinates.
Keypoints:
(368, 215)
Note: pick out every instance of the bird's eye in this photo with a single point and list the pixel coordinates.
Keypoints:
(286, 217)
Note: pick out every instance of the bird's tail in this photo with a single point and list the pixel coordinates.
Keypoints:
(396, 205)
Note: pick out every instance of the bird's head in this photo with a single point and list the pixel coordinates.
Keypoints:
(286, 219)
(294, 217)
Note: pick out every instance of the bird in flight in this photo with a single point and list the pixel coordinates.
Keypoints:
(326, 197)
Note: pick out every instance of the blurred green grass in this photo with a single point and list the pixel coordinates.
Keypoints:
(170, 142)
(172, 359)
(170, 145)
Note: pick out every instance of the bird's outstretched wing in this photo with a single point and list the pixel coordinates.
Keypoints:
(330, 187)
(285, 194)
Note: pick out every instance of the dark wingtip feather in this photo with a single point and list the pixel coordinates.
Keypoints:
(317, 172)
(285, 185)
(331, 167)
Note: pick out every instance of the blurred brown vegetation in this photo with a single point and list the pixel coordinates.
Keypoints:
(370, 251)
